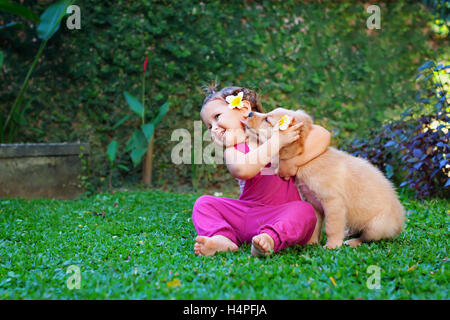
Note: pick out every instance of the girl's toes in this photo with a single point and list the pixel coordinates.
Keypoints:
(201, 239)
(263, 244)
(197, 248)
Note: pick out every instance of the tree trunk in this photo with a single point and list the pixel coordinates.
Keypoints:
(147, 172)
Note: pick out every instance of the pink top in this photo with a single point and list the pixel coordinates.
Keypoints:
(267, 188)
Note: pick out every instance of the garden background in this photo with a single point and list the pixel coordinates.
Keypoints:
(382, 93)
(318, 56)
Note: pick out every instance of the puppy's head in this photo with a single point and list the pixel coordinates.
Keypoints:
(259, 126)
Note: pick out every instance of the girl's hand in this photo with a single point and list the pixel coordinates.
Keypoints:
(286, 137)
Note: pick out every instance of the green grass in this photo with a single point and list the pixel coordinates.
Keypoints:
(142, 243)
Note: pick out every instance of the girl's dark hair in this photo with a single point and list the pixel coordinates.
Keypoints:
(212, 93)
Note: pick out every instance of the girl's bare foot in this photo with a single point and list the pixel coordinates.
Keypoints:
(262, 245)
(208, 246)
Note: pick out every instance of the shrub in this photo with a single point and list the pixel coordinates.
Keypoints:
(313, 55)
(418, 143)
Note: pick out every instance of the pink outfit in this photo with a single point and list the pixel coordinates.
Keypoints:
(267, 204)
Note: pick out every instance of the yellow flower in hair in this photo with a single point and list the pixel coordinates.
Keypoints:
(284, 122)
(235, 101)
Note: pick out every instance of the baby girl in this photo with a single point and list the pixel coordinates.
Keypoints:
(269, 212)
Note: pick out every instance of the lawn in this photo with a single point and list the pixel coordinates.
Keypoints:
(138, 245)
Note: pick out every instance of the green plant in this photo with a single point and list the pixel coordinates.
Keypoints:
(111, 153)
(425, 143)
(19, 10)
(49, 23)
(417, 146)
(133, 245)
(313, 55)
(140, 142)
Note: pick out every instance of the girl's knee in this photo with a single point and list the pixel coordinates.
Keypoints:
(203, 205)
(202, 201)
(307, 212)
(200, 210)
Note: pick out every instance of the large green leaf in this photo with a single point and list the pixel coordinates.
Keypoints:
(18, 10)
(137, 144)
(51, 20)
(111, 152)
(148, 130)
(134, 104)
(136, 156)
(1, 58)
(137, 139)
(162, 112)
(129, 144)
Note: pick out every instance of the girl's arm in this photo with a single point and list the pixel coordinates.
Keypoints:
(317, 142)
(246, 166)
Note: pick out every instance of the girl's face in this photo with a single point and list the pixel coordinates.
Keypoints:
(225, 123)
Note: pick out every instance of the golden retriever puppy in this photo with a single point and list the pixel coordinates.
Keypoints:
(354, 194)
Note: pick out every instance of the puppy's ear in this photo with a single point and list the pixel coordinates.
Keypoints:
(302, 116)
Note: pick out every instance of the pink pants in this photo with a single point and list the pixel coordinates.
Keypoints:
(288, 224)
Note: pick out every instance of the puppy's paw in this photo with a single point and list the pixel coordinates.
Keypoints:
(353, 242)
(333, 244)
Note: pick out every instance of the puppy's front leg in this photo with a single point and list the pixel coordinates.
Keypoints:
(317, 235)
(335, 221)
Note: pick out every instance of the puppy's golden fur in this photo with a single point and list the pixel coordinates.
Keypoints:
(354, 194)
